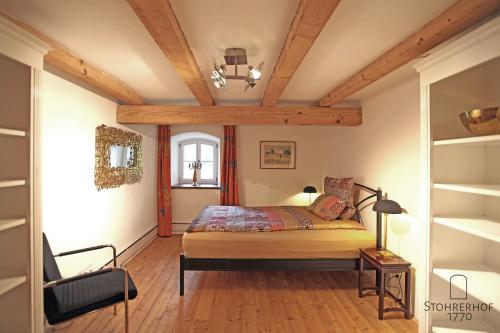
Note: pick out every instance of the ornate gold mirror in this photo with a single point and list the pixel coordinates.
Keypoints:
(118, 157)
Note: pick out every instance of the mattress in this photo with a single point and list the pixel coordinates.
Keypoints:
(292, 244)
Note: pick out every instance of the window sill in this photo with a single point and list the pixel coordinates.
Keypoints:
(199, 187)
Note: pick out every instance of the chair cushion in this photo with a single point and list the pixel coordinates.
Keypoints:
(78, 297)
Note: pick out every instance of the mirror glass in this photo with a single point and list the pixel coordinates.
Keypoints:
(121, 156)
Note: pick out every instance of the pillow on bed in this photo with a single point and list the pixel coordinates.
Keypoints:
(315, 202)
(329, 207)
(348, 211)
(342, 188)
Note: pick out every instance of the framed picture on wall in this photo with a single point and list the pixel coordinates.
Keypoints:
(277, 155)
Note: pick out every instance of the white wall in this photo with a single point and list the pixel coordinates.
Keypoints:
(321, 151)
(268, 187)
(74, 213)
(385, 152)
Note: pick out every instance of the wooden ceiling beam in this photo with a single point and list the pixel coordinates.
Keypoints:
(455, 19)
(73, 65)
(237, 115)
(159, 19)
(309, 21)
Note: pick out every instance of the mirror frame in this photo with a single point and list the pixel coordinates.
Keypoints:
(104, 175)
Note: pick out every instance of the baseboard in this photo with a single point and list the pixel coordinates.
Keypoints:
(178, 228)
(133, 249)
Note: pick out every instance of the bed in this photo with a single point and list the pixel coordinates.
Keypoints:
(222, 239)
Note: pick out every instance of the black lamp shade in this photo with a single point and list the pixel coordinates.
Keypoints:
(310, 189)
(387, 207)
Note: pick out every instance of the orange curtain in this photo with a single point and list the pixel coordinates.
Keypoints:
(163, 182)
(229, 175)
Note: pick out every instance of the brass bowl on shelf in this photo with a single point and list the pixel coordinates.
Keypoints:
(482, 121)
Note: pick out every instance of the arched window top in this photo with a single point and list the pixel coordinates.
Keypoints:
(190, 147)
(194, 135)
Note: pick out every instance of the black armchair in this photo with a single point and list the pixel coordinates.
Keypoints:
(65, 299)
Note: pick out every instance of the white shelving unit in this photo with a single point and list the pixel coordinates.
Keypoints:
(481, 226)
(482, 280)
(21, 293)
(463, 327)
(15, 232)
(487, 140)
(15, 196)
(11, 223)
(12, 183)
(9, 284)
(482, 189)
(6, 131)
(461, 173)
(466, 226)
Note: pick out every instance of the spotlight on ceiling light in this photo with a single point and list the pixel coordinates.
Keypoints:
(219, 76)
(255, 72)
(250, 83)
(235, 57)
(219, 83)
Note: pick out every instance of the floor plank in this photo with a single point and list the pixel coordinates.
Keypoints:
(238, 301)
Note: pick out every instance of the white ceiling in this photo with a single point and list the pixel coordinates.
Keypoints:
(358, 32)
(108, 34)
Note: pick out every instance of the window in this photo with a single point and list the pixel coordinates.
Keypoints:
(204, 151)
(191, 147)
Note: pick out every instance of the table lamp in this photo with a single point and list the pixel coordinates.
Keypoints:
(401, 227)
(310, 189)
(386, 206)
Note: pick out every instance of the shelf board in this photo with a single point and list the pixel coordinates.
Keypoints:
(12, 183)
(7, 284)
(488, 140)
(11, 132)
(482, 280)
(463, 327)
(12, 223)
(482, 226)
(484, 189)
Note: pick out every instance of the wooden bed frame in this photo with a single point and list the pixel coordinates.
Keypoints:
(323, 264)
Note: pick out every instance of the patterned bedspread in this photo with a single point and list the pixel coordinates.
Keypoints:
(263, 219)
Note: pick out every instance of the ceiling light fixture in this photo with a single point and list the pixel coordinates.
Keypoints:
(235, 57)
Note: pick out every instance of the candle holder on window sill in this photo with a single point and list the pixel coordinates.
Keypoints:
(195, 166)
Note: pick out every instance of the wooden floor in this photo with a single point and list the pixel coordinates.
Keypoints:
(239, 301)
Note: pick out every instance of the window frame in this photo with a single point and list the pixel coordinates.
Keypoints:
(198, 142)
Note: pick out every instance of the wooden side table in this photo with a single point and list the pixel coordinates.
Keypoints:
(395, 264)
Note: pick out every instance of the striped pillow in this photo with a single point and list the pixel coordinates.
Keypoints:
(328, 207)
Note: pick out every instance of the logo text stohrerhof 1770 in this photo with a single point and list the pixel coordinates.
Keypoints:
(459, 308)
